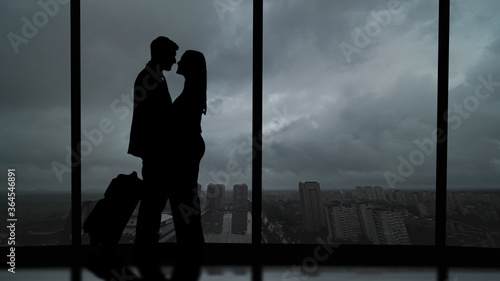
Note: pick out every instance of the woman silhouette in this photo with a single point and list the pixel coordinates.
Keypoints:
(189, 148)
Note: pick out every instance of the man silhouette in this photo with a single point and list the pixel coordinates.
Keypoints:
(151, 139)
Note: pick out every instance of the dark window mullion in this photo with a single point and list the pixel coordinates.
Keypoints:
(257, 122)
(76, 175)
(257, 135)
(442, 123)
(442, 127)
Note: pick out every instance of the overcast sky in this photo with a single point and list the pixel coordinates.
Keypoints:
(349, 90)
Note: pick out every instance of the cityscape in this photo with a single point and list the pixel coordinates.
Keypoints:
(372, 215)
(224, 219)
(361, 215)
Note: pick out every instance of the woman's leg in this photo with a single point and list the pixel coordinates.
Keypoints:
(185, 201)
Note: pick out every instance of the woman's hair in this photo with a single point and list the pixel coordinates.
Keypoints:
(196, 71)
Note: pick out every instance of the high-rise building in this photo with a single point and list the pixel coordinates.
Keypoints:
(389, 227)
(215, 197)
(213, 222)
(240, 209)
(379, 191)
(359, 192)
(342, 222)
(395, 195)
(367, 224)
(239, 221)
(369, 193)
(240, 196)
(313, 216)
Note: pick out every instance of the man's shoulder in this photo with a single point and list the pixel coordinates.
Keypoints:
(143, 73)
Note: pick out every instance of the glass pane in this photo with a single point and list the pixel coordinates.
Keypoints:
(42, 274)
(308, 272)
(349, 121)
(116, 39)
(35, 118)
(460, 274)
(473, 208)
(210, 273)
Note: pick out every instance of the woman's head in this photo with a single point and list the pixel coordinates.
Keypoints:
(192, 64)
(193, 67)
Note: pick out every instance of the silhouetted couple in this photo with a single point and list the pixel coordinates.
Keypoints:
(167, 137)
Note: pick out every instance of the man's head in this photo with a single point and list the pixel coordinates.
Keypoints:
(163, 51)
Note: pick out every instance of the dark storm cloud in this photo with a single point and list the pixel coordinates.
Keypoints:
(354, 120)
(360, 120)
(363, 137)
(34, 107)
(342, 123)
(474, 137)
(474, 151)
(38, 75)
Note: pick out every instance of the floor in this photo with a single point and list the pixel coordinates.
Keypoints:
(292, 273)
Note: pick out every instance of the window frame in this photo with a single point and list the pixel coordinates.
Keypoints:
(438, 256)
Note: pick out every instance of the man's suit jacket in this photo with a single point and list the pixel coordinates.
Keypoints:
(150, 133)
